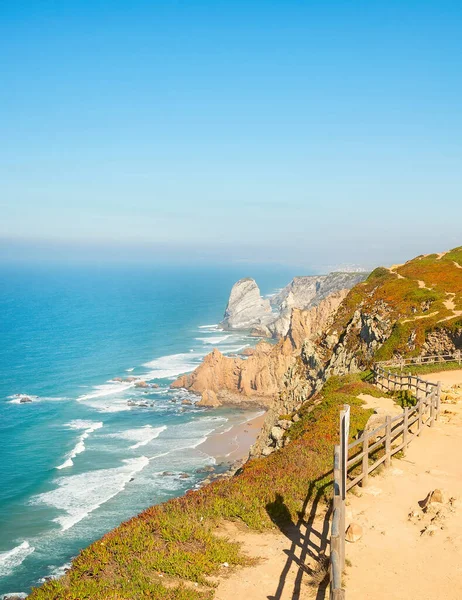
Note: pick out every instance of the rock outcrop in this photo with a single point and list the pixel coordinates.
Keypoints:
(383, 317)
(246, 308)
(262, 374)
(303, 292)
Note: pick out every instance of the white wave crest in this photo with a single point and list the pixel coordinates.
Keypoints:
(13, 558)
(97, 397)
(89, 427)
(80, 495)
(214, 339)
(56, 572)
(106, 389)
(141, 435)
(172, 365)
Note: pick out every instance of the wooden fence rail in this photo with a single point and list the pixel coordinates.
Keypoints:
(375, 448)
(423, 360)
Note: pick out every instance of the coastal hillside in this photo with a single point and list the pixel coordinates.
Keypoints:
(406, 310)
(175, 550)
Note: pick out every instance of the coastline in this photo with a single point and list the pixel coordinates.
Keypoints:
(233, 445)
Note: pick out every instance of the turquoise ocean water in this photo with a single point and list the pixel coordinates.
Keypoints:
(88, 452)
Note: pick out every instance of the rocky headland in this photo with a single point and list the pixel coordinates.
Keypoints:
(271, 317)
(409, 309)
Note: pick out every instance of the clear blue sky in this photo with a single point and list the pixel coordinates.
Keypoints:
(310, 132)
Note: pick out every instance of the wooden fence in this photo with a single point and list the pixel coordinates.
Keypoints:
(373, 449)
(423, 360)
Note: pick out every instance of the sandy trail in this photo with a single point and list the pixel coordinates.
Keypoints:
(422, 285)
(393, 559)
(419, 317)
(285, 561)
(450, 305)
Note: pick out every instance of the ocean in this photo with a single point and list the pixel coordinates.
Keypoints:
(89, 452)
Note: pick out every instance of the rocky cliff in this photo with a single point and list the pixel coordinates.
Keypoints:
(259, 375)
(408, 310)
(245, 306)
(248, 310)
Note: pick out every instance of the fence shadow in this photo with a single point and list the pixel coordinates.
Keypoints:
(309, 540)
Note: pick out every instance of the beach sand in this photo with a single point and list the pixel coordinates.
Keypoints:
(233, 445)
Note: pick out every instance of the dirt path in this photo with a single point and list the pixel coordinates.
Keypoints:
(394, 559)
(451, 305)
(286, 561)
(392, 554)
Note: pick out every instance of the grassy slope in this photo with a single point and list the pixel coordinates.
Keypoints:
(430, 368)
(406, 301)
(177, 538)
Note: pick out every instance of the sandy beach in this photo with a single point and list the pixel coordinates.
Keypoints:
(234, 444)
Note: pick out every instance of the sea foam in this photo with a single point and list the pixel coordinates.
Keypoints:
(172, 365)
(97, 398)
(56, 572)
(214, 339)
(13, 558)
(79, 495)
(89, 427)
(141, 435)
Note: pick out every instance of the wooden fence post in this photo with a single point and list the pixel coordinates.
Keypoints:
(365, 478)
(438, 398)
(405, 428)
(420, 418)
(432, 408)
(388, 441)
(339, 503)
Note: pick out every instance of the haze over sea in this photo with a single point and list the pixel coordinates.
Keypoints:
(78, 460)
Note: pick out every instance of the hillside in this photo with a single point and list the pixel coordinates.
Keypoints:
(163, 552)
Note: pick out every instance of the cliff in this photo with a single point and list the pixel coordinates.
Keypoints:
(245, 306)
(248, 310)
(409, 309)
(258, 377)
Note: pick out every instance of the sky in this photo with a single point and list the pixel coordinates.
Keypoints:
(316, 133)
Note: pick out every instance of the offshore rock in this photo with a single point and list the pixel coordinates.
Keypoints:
(246, 308)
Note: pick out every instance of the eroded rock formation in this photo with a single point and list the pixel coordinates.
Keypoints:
(260, 376)
(248, 310)
(246, 307)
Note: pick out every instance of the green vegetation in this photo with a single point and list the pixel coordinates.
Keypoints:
(413, 297)
(177, 539)
(406, 399)
(427, 368)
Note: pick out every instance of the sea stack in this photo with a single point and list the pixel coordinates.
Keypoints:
(245, 306)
